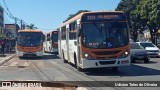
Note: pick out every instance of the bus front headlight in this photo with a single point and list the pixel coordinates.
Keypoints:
(88, 57)
(125, 54)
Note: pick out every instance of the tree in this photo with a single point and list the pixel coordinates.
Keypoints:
(149, 11)
(31, 26)
(142, 14)
(128, 6)
(72, 15)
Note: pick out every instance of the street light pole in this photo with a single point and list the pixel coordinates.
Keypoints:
(155, 39)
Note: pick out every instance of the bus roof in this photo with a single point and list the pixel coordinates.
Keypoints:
(81, 14)
(52, 31)
(29, 30)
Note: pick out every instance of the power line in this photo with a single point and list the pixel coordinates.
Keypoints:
(6, 14)
(7, 8)
(10, 15)
(6, 20)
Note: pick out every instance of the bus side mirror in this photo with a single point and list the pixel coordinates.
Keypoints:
(78, 31)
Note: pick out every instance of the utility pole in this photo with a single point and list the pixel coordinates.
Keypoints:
(21, 24)
(15, 19)
(24, 25)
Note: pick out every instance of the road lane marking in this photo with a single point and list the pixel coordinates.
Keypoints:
(40, 64)
(13, 64)
(26, 64)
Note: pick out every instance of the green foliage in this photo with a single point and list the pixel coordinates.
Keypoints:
(128, 6)
(149, 11)
(142, 13)
(72, 15)
(31, 26)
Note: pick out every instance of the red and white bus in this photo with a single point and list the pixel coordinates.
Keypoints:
(86, 40)
(51, 42)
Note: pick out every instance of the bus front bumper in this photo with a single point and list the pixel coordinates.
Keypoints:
(28, 54)
(105, 63)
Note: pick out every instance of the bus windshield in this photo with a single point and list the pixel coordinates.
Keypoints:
(105, 34)
(30, 39)
(55, 36)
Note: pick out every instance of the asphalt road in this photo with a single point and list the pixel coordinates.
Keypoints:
(51, 68)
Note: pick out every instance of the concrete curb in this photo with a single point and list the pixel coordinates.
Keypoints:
(7, 59)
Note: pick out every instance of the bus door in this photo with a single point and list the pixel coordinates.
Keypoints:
(59, 42)
(67, 43)
(78, 44)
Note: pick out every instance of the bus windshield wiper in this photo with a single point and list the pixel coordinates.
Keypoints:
(97, 27)
(25, 43)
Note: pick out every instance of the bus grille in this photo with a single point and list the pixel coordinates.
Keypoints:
(107, 52)
(107, 62)
(29, 55)
(107, 57)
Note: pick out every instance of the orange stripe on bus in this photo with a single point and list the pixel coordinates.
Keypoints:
(29, 49)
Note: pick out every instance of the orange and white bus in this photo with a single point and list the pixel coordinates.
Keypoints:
(51, 42)
(29, 43)
(86, 40)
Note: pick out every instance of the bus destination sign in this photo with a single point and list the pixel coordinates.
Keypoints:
(55, 32)
(104, 17)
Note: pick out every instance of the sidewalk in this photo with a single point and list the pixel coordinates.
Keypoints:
(6, 58)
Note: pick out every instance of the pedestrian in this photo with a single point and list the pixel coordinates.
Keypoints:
(8, 46)
(3, 48)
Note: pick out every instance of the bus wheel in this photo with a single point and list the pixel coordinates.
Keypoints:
(51, 51)
(114, 69)
(44, 50)
(40, 57)
(133, 61)
(64, 60)
(20, 57)
(146, 60)
(76, 64)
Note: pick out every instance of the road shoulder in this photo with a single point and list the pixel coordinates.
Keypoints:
(6, 59)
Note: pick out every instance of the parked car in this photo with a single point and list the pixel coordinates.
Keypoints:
(138, 53)
(152, 50)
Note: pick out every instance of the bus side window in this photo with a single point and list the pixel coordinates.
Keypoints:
(48, 37)
(75, 30)
(43, 37)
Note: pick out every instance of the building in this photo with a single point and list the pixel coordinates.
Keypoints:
(147, 35)
(11, 30)
(1, 20)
